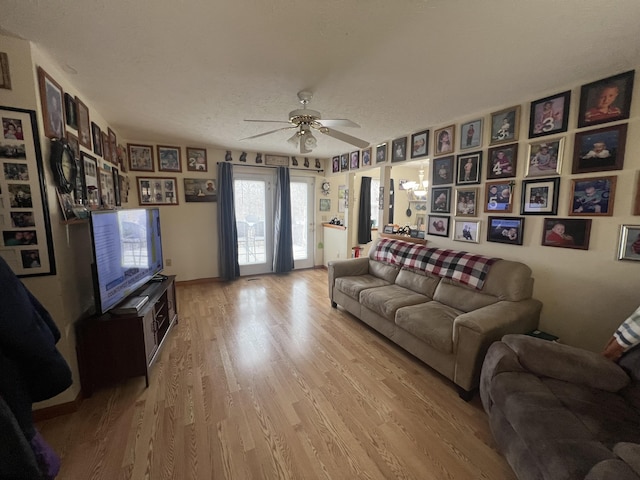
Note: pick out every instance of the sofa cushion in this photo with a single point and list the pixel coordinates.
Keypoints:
(508, 280)
(611, 469)
(419, 282)
(630, 454)
(630, 363)
(387, 300)
(460, 297)
(431, 322)
(384, 271)
(352, 286)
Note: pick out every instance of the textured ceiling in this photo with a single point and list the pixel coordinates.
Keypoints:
(190, 71)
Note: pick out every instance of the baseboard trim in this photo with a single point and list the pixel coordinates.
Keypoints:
(48, 413)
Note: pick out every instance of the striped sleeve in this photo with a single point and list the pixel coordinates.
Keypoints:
(628, 334)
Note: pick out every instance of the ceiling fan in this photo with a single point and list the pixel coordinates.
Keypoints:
(305, 120)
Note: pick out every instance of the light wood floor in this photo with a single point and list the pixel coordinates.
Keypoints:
(262, 379)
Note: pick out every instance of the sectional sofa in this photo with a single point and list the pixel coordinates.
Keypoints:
(445, 307)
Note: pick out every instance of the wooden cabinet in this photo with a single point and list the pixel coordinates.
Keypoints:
(112, 348)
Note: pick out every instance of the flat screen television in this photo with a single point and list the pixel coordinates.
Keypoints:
(127, 253)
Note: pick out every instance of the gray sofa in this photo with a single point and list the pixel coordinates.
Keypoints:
(562, 413)
(446, 324)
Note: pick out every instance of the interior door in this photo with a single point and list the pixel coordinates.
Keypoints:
(302, 219)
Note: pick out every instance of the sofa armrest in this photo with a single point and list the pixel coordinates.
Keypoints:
(567, 363)
(346, 268)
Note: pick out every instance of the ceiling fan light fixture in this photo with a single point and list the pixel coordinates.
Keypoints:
(310, 141)
(294, 139)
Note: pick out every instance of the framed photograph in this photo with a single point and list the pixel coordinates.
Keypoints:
(441, 199)
(606, 100)
(113, 146)
(466, 231)
(52, 102)
(200, 190)
(107, 193)
(442, 170)
(325, 204)
(399, 149)
(344, 162)
(540, 196)
(471, 134)
(444, 139)
(420, 144)
(545, 158)
(499, 196)
(276, 160)
(169, 159)
(599, 150)
(197, 159)
(104, 139)
(116, 187)
(335, 164)
(96, 135)
(549, 115)
(91, 181)
(71, 111)
(121, 155)
(387, 229)
(468, 168)
(505, 230)
(5, 74)
(381, 153)
(74, 144)
(354, 160)
(566, 233)
(84, 126)
(593, 196)
(629, 243)
(502, 161)
(438, 225)
(467, 202)
(505, 125)
(366, 157)
(636, 204)
(157, 190)
(140, 158)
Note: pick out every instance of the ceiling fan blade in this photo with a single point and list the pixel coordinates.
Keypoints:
(339, 122)
(344, 137)
(268, 121)
(267, 133)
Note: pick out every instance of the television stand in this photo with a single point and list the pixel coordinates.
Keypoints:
(112, 348)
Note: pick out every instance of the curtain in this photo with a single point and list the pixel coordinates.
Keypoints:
(364, 211)
(283, 237)
(227, 231)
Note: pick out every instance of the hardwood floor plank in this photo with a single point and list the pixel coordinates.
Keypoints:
(262, 379)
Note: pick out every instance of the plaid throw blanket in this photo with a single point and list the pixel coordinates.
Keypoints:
(462, 267)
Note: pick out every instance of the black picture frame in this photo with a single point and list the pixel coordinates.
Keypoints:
(566, 233)
(468, 168)
(335, 164)
(96, 133)
(540, 196)
(381, 153)
(344, 162)
(549, 115)
(354, 160)
(505, 125)
(599, 150)
(71, 111)
(420, 144)
(438, 225)
(441, 199)
(399, 149)
(606, 100)
(508, 230)
(442, 170)
(502, 161)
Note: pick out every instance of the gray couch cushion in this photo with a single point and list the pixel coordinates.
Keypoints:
(419, 282)
(463, 298)
(352, 286)
(387, 300)
(630, 454)
(611, 469)
(431, 322)
(383, 270)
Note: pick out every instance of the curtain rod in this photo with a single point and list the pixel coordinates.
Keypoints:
(257, 165)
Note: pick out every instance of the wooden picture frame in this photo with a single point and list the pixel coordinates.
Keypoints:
(96, 135)
(549, 115)
(566, 233)
(440, 199)
(381, 153)
(366, 157)
(444, 140)
(335, 164)
(505, 125)
(467, 202)
(169, 159)
(499, 196)
(593, 196)
(599, 150)
(505, 230)
(52, 103)
(140, 157)
(503, 161)
(276, 160)
(606, 100)
(438, 225)
(629, 247)
(5, 74)
(84, 125)
(106, 151)
(468, 168)
(442, 170)
(471, 134)
(197, 159)
(91, 181)
(113, 146)
(420, 144)
(540, 196)
(71, 111)
(545, 158)
(344, 162)
(466, 231)
(200, 190)
(354, 160)
(157, 190)
(399, 149)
